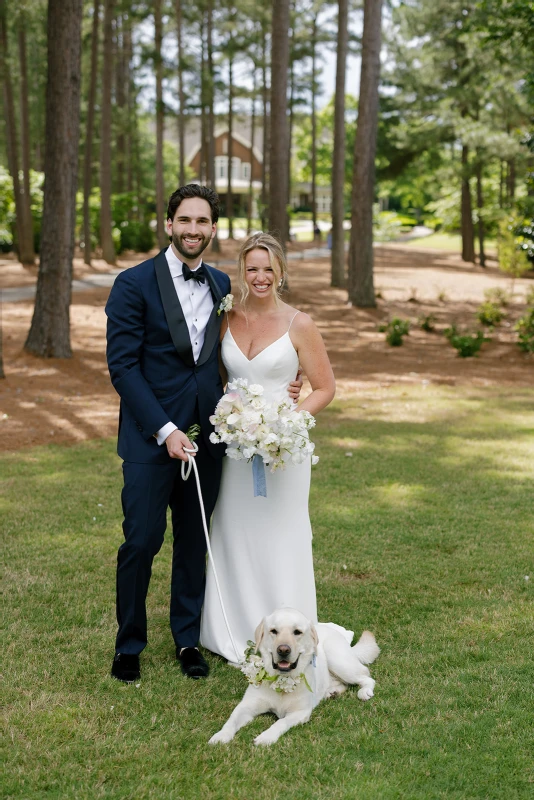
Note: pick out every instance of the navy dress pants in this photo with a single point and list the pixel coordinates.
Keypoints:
(149, 489)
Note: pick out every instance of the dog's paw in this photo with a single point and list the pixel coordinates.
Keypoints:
(222, 737)
(265, 738)
(365, 693)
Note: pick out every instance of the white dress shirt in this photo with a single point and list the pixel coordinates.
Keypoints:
(197, 304)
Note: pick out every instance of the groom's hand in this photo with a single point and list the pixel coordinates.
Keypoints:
(295, 387)
(176, 442)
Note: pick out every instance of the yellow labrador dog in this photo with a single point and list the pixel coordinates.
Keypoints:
(297, 666)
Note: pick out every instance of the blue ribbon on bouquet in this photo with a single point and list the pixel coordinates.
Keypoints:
(258, 476)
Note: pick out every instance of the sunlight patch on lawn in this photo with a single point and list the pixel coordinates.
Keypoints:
(400, 495)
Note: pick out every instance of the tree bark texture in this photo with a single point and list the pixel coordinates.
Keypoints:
(360, 281)
(480, 222)
(229, 192)
(11, 134)
(49, 334)
(266, 137)
(88, 156)
(106, 224)
(181, 94)
(120, 97)
(468, 233)
(279, 145)
(252, 134)
(160, 185)
(27, 247)
(338, 162)
(314, 127)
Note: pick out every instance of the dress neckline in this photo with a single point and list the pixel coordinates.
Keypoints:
(250, 360)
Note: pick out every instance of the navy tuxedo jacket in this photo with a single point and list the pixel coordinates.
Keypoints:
(150, 359)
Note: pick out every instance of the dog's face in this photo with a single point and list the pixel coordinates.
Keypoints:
(286, 640)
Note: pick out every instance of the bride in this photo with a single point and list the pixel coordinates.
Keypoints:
(262, 546)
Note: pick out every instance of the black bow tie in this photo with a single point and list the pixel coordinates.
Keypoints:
(197, 274)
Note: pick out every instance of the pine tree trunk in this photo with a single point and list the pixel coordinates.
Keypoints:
(468, 234)
(88, 159)
(360, 279)
(181, 94)
(291, 97)
(252, 134)
(49, 334)
(120, 96)
(510, 182)
(160, 186)
(204, 78)
(131, 116)
(11, 134)
(480, 223)
(279, 150)
(27, 251)
(266, 137)
(106, 224)
(338, 163)
(314, 129)
(212, 178)
(229, 192)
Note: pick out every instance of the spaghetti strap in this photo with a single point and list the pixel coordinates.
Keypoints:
(291, 323)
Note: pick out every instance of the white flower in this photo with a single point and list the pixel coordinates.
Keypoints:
(227, 303)
(250, 425)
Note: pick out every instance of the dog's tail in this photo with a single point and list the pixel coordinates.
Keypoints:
(366, 648)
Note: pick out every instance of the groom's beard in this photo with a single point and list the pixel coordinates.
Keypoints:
(190, 252)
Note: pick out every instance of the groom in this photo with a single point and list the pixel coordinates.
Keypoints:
(163, 347)
(162, 351)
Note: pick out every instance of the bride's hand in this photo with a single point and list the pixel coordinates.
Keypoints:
(295, 386)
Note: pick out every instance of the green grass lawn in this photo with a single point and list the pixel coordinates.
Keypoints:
(424, 535)
(450, 242)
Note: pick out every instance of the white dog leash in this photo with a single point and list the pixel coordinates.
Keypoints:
(186, 471)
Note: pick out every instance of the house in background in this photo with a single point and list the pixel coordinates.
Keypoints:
(246, 161)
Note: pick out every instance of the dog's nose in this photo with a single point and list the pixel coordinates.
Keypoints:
(283, 650)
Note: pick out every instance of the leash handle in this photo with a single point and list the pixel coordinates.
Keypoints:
(186, 471)
(187, 465)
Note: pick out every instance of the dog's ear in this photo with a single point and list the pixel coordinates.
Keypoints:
(315, 637)
(260, 632)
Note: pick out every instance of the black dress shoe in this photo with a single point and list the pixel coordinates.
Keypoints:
(193, 662)
(125, 667)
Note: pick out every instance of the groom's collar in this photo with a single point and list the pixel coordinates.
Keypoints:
(175, 265)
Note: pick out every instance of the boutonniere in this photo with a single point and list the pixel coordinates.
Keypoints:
(227, 303)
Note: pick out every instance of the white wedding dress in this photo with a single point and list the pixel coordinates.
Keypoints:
(262, 546)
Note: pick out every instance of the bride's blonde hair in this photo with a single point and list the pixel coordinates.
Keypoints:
(277, 260)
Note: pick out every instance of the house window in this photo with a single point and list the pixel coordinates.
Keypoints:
(225, 144)
(246, 170)
(221, 167)
(236, 167)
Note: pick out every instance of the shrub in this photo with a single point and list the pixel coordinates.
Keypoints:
(489, 314)
(136, 236)
(512, 257)
(525, 329)
(497, 295)
(529, 297)
(395, 329)
(427, 322)
(467, 344)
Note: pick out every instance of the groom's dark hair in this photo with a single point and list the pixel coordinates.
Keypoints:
(194, 190)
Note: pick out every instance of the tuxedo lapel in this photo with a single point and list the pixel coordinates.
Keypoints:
(173, 310)
(214, 323)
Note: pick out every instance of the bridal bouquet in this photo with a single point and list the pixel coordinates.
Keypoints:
(253, 428)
